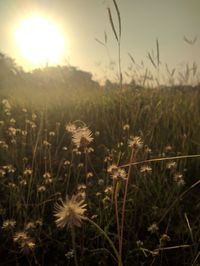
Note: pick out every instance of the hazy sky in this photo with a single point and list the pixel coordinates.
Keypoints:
(82, 21)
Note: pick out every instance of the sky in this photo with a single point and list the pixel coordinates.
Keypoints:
(83, 21)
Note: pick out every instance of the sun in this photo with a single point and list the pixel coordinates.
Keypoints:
(40, 41)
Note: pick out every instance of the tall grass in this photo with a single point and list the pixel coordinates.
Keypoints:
(39, 164)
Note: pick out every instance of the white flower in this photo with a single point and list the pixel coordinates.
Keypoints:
(145, 169)
(178, 178)
(135, 143)
(70, 213)
(71, 128)
(82, 137)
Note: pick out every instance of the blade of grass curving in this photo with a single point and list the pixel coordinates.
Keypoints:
(105, 37)
(194, 68)
(132, 59)
(151, 60)
(158, 52)
(180, 197)
(100, 42)
(162, 159)
(112, 24)
(118, 16)
(173, 71)
(167, 68)
(189, 227)
(107, 238)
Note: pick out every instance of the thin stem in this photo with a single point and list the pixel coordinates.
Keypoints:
(108, 239)
(74, 245)
(117, 214)
(124, 202)
(161, 159)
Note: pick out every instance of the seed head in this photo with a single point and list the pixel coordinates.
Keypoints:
(70, 213)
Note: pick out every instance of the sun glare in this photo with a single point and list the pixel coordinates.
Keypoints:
(40, 41)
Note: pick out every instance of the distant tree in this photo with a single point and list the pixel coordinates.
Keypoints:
(9, 72)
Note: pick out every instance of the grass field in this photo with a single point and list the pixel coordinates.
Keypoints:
(123, 160)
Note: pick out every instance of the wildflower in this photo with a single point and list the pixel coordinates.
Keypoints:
(48, 181)
(147, 150)
(39, 222)
(126, 127)
(3, 144)
(30, 226)
(27, 246)
(80, 165)
(34, 116)
(106, 200)
(13, 141)
(71, 128)
(82, 137)
(109, 190)
(66, 163)
(81, 187)
(23, 182)
(52, 133)
(112, 168)
(46, 143)
(139, 243)
(89, 150)
(8, 224)
(24, 133)
(135, 143)
(145, 169)
(89, 174)
(70, 213)
(11, 185)
(12, 121)
(41, 189)
(97, 133)
(119, 174)
(47, 175)
(70, 254)
(153, 228)
(120, 144)
(100, 182)
(25, 243)
(12, 131)
(47, 178)
(108, 159)
(171, 165)
(20, 237)
(163, 239)
(178, 178)
(168, 148)
(28, 172)
(6, 106)
(2, 173)
(9, 168)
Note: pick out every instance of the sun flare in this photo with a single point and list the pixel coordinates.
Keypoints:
(40, 41)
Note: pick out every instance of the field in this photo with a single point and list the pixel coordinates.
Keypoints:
(126, 159)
